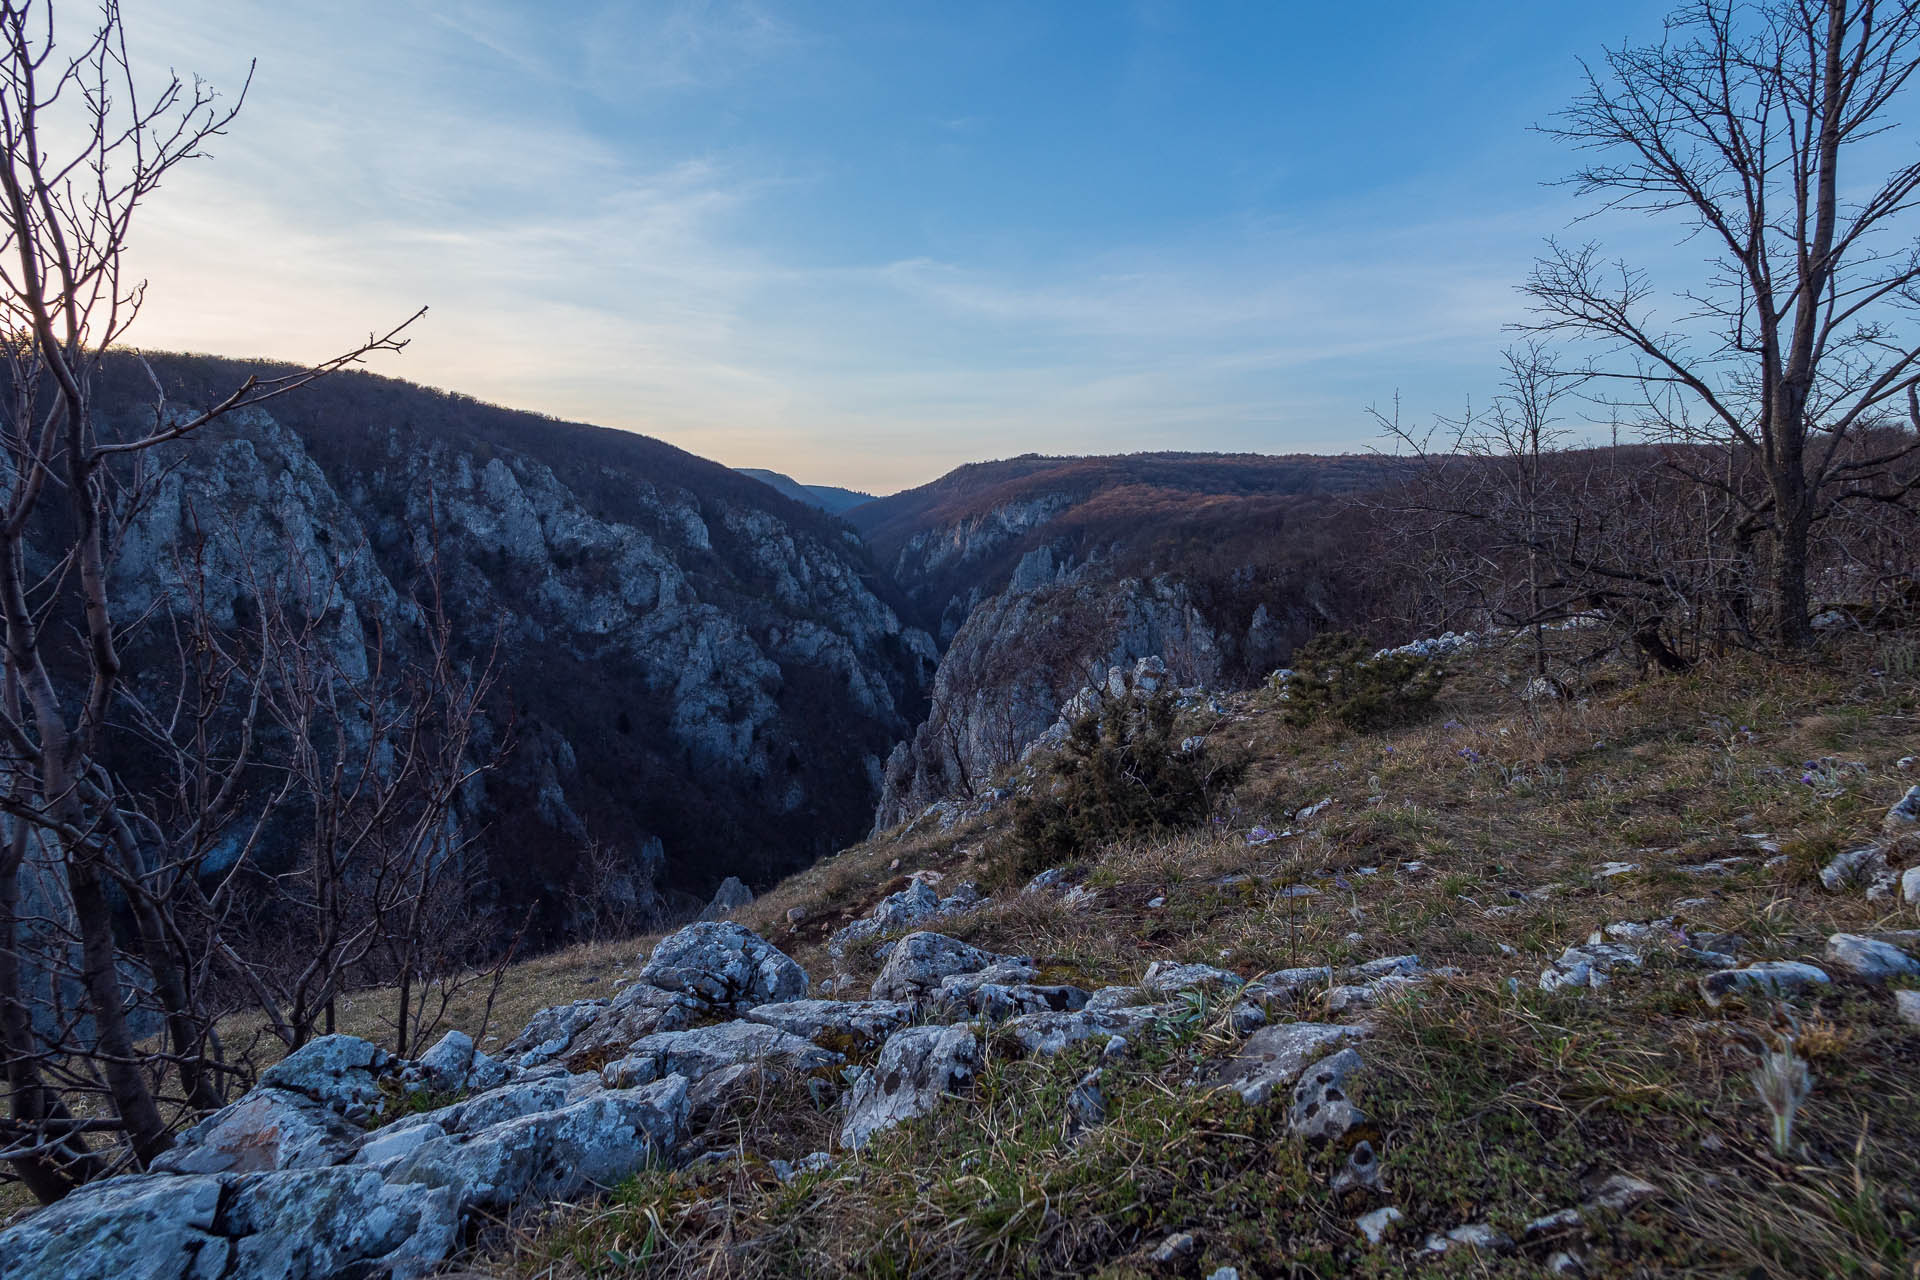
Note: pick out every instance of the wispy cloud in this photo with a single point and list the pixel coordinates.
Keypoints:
(462, 156)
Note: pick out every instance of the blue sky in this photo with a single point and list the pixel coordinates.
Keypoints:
(865, 242)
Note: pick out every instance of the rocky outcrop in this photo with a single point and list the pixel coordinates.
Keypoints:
(705, 676)
(1022, 656)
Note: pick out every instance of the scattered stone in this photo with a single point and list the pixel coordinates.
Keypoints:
(1591, 965)
(1046, 1034)
(911, 907)
(1769, 977)
(1608, 870)
(1362, 1170)
(1375, 1226)
(917, 1068)
(1905, 815)
(701, 1051)
(726, 965)
(1854, 867)
(1225, 1273)
(1869, 960)
(796, 916)
(1175, 1248)
(1086, 1104)
(550, 1032)
(1474, 1235)
(919, 961)
(1321, 1109)
(641, 1010)
(1078, 898)
(1164, 977)
(1564, 1262)
(1906, 1005)
(1273, 1057)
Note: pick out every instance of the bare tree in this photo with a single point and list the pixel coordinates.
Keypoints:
(1763, 127)
(82, 145)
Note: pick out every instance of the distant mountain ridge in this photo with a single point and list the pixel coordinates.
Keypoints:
(825, 497)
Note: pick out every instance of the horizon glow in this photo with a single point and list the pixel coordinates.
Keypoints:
(862, 243)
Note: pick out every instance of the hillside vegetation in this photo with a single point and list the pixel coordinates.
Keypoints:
(1687, 818)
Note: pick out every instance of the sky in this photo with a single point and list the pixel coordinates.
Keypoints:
(865, 241)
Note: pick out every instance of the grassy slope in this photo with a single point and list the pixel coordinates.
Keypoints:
(1489, 1103)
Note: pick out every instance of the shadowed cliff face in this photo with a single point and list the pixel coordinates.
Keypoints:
(703, 676)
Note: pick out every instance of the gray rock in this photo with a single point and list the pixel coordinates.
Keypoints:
(1118, 998)
(338, 1072)
(309, 1110)
(702, 1050)
(1474, 1235)
(1321, 1109)
(315, 1224)
(867, 1021)
(919, 961)
(1361, 1172)
(917, 1068)
(1906, 1007)
(1086, 1104)
(1175, 1248)
(1854, 867)
(1164, 978)
(1905, 815)
(725, 965)
(1588, 966)
(554, 1155)
(1273, 1057)
(732, 895)
(640, 1011)
(1768, 977)
(1045, 1034)
(1375, 1226)
(267, 1129)
(1364, 995)
(444, 1067)
(1868, 959)
(550, 1032)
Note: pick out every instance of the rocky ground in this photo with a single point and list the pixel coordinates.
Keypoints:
(1504, 993)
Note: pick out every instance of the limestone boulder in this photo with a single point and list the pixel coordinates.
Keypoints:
(918, 1067)
(724, 966)
(553, 1155)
